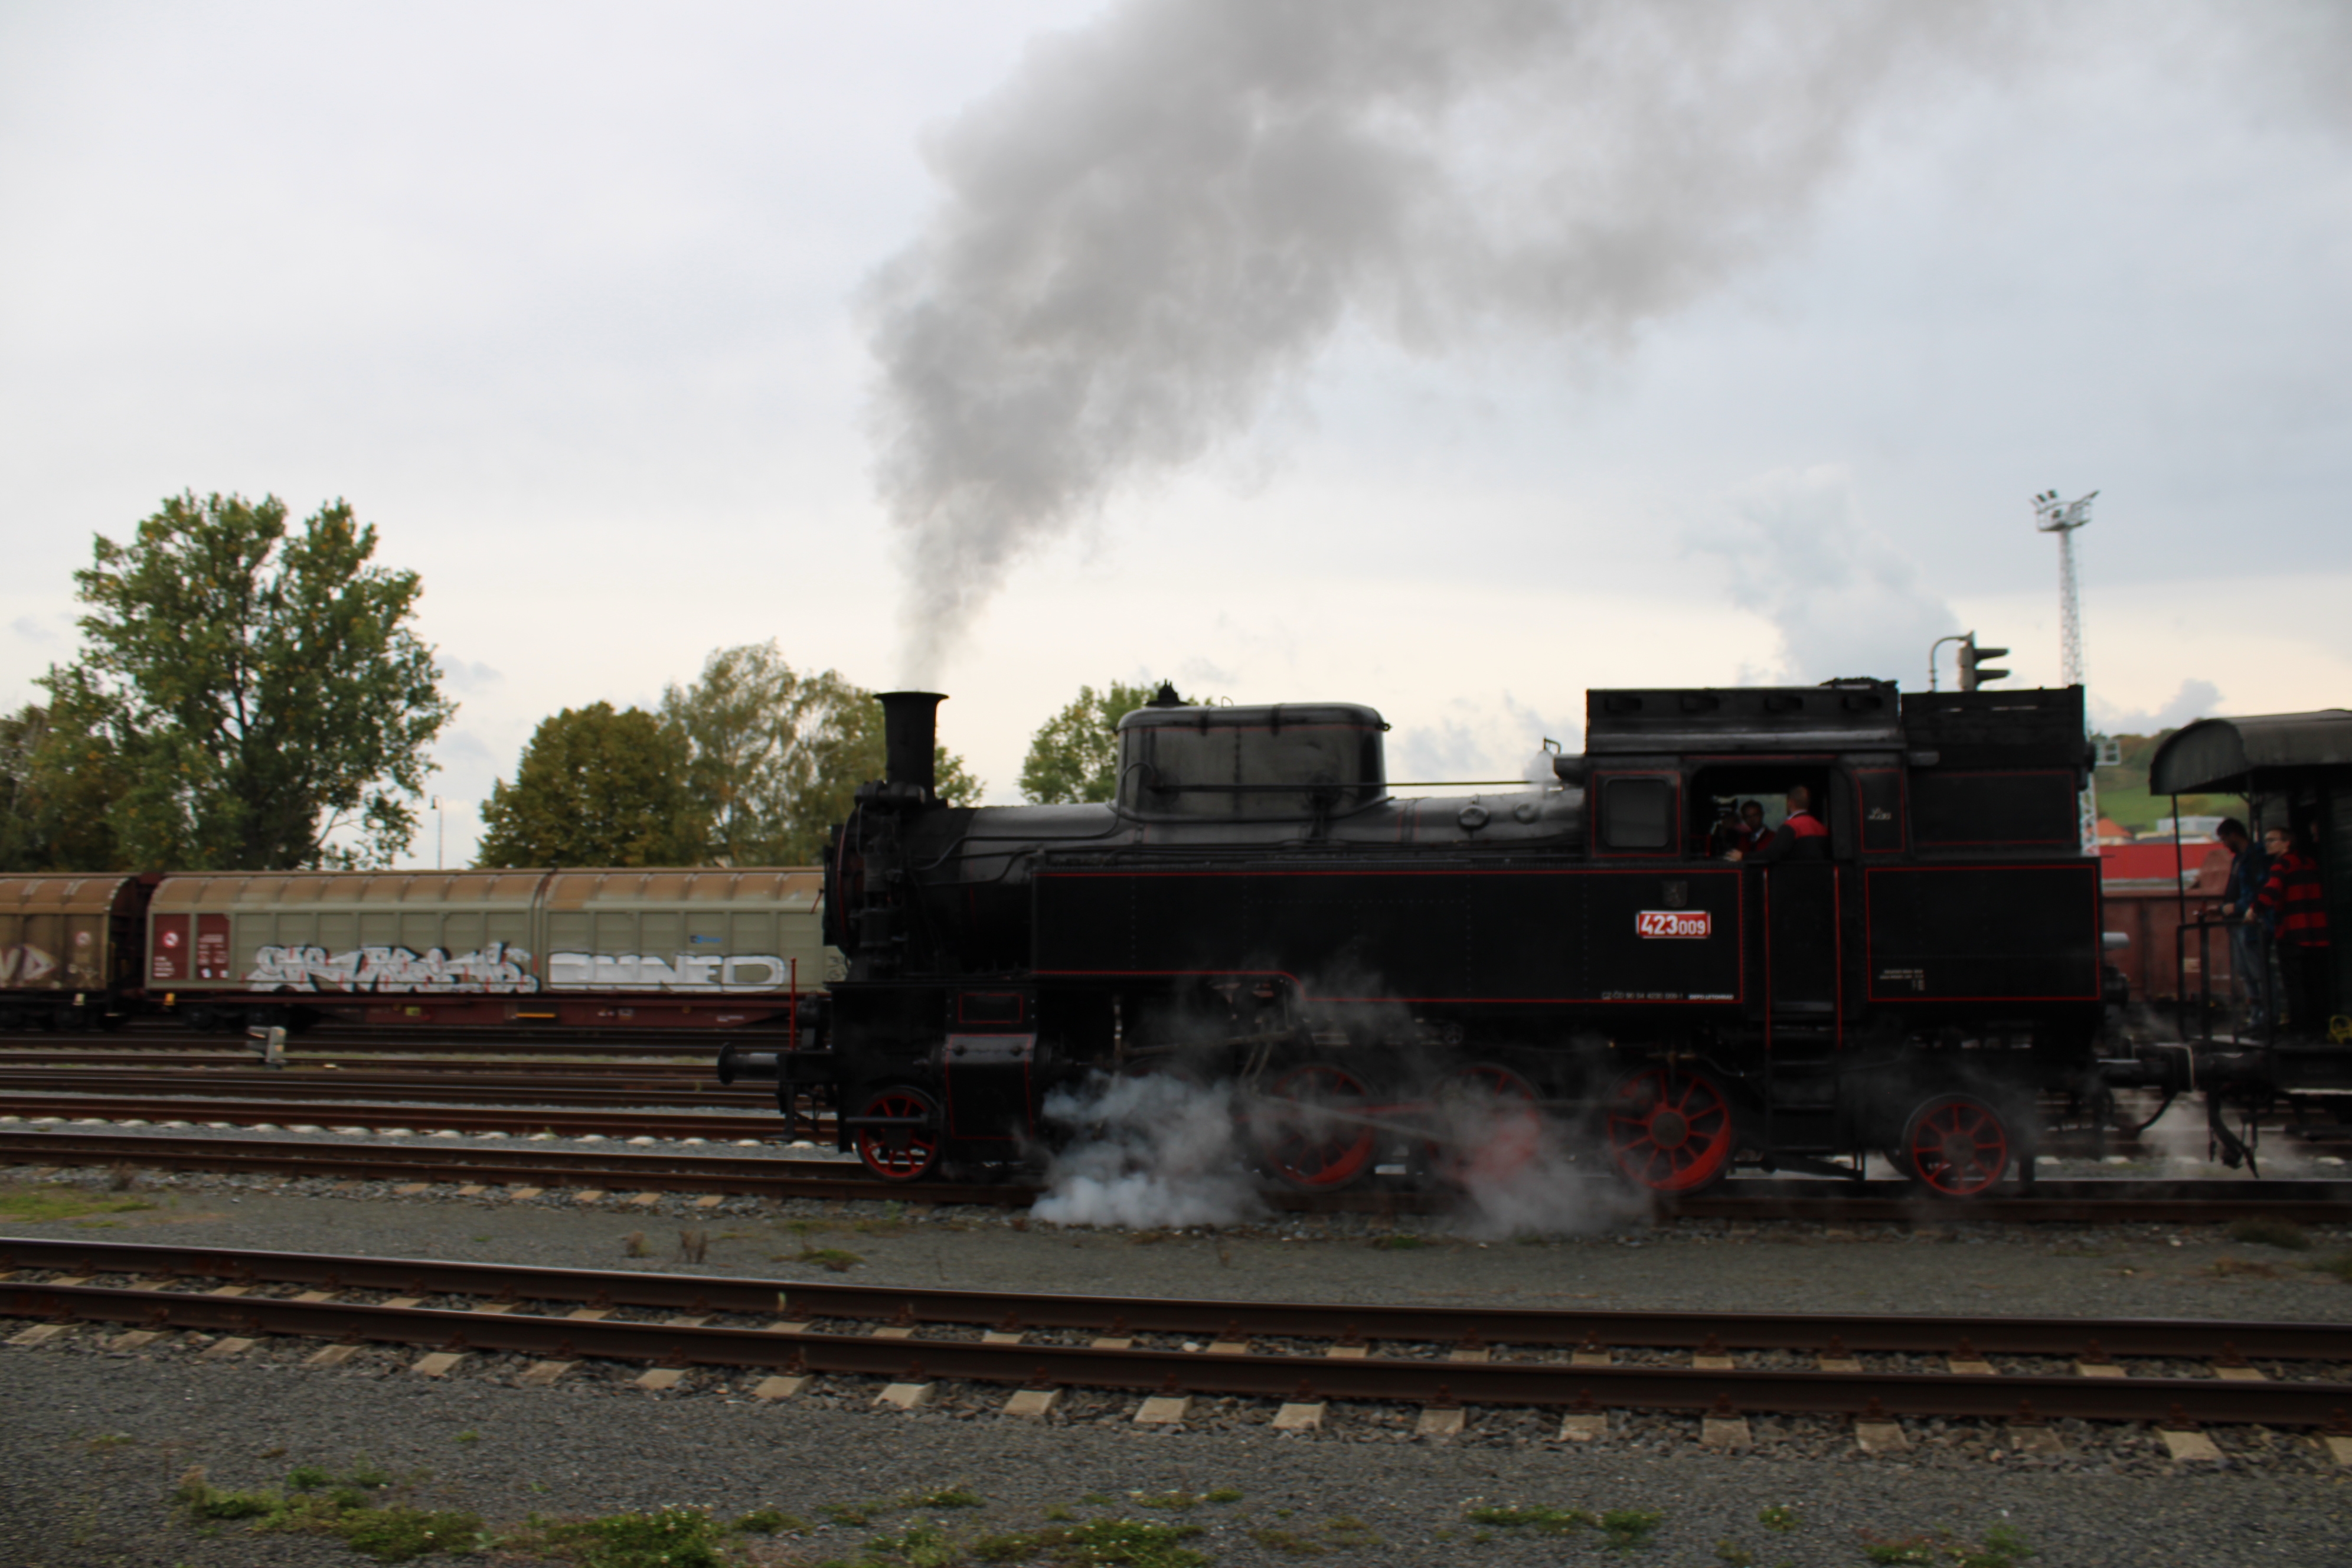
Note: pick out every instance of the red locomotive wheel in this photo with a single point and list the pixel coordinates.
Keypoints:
(1492, 1129)
(1670, 1129)
(1304, 1145)
(900, 1153)
(1956, 1145)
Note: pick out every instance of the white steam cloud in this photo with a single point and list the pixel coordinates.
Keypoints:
(1146, 1151)
(1161, 1150)
(1845, 601)
(1159, 221)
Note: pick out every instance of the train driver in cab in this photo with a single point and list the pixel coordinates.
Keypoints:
(1803, 836)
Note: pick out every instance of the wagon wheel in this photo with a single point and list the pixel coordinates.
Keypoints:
(1670, 1128)
(902, 1153)
(1956, 1145)
(1309, 1138)
(1494, 1131)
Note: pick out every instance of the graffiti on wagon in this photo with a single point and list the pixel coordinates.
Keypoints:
(500, 968)
(496, 968)
(675, 971)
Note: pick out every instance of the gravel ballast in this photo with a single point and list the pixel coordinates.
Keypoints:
(94, 1440)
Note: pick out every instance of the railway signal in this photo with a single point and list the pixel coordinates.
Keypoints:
(1973, 672)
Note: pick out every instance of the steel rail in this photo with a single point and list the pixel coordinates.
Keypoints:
(2169, 1400)
(442, 1039)
(2095, 1339)
(613, 1170)
(462, 1118)
(2095, 1202)
(17, 1089)
(16, 1065)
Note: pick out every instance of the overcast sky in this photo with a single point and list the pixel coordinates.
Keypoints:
(1449, 359)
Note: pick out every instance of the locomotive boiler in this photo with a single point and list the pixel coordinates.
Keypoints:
(1255, 910)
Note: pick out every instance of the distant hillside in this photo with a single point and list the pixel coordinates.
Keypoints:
(2123, 789)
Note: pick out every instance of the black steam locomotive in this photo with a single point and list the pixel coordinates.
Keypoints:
(1257, 910)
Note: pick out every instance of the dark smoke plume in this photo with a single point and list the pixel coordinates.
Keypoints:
(1163, 215)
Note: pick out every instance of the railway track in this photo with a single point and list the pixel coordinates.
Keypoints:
(28, 1064)
(18, 1089)
(620, 1121)
(1874, 1369)
(444, 1040)
(2100, 1201)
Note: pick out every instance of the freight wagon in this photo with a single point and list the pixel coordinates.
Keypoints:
(693, 949)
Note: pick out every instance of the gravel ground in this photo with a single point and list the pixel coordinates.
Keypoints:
(94, 1440)
(93, 1446)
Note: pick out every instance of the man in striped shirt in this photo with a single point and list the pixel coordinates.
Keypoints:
(2290, 904)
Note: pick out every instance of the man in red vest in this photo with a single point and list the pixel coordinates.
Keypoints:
(1803, 836)
(2291, 906)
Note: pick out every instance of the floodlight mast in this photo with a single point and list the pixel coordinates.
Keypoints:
(2062, 518)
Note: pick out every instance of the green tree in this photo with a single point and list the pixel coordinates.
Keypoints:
(57, 786)
(595, 787)
(775, 756)
(1074, 756)
(248, 697)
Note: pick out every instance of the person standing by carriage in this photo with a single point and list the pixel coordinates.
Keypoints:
(2250, 867)
(2291, 906)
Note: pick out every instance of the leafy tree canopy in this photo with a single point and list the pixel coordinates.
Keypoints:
(1074, 756)
(55, 790)
(595, 787)
(249, 698)
(775, 756)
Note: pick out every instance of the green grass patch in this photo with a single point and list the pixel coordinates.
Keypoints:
(2269, 1230)
(53, 1201)
(1999, 1547)
(1222, 1494)
(945, 1497)
(920, 1545)
(214, 1504)
(1114, 1542)
(399, 1534)
(769, 1521)
(1626, 1528)
(394, 1534)
(1778, 1516)
(665, 1538)
(1731, 1551)
(1541, 1519)
(1621, 1528)
(309, 1478)
(2340, 1266)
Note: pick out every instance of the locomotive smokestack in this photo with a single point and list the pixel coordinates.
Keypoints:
(910, 727)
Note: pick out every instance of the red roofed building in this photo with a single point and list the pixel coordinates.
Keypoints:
(2143, 883)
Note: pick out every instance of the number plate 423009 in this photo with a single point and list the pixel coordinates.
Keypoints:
(1673, 924)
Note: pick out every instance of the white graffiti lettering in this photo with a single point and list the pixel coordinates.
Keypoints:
(25, 964)
(498, 968)
(678, 972)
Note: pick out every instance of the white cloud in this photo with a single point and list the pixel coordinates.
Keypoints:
(1793, 546)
